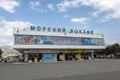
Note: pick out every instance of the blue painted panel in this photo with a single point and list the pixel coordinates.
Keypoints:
(54, 40)
(48, 57)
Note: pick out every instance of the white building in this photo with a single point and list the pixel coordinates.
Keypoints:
(52, 44)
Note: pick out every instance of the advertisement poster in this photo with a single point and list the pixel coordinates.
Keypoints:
(48, 57)
(53, 40)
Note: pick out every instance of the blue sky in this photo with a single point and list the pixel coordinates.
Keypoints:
(101, 16)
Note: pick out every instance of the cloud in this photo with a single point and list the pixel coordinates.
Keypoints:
(80, 20)
(35, 5)
(50, 6)
(109, 7)
(66, 16)
(6, 30)
(9, 5)
(67, 4)
(114, 15)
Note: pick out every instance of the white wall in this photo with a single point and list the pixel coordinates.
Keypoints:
(28, 32)
(56, 47)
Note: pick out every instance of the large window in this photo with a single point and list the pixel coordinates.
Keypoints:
(55, 40)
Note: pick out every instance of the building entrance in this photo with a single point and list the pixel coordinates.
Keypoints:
(69, 56)
(35, 57)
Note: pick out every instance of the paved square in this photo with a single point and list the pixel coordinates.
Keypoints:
(69, 70)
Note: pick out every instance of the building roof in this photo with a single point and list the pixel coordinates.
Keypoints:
(9, 51)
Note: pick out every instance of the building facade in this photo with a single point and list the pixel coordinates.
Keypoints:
(56, 44)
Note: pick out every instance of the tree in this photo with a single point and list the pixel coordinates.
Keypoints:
(99, 53)
(113, 50)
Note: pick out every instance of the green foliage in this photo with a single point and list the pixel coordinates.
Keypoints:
(110, 50)
(115, 48)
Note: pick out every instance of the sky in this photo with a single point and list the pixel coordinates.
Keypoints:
(101, 16)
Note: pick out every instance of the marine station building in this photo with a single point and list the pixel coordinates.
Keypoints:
(48, 44)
